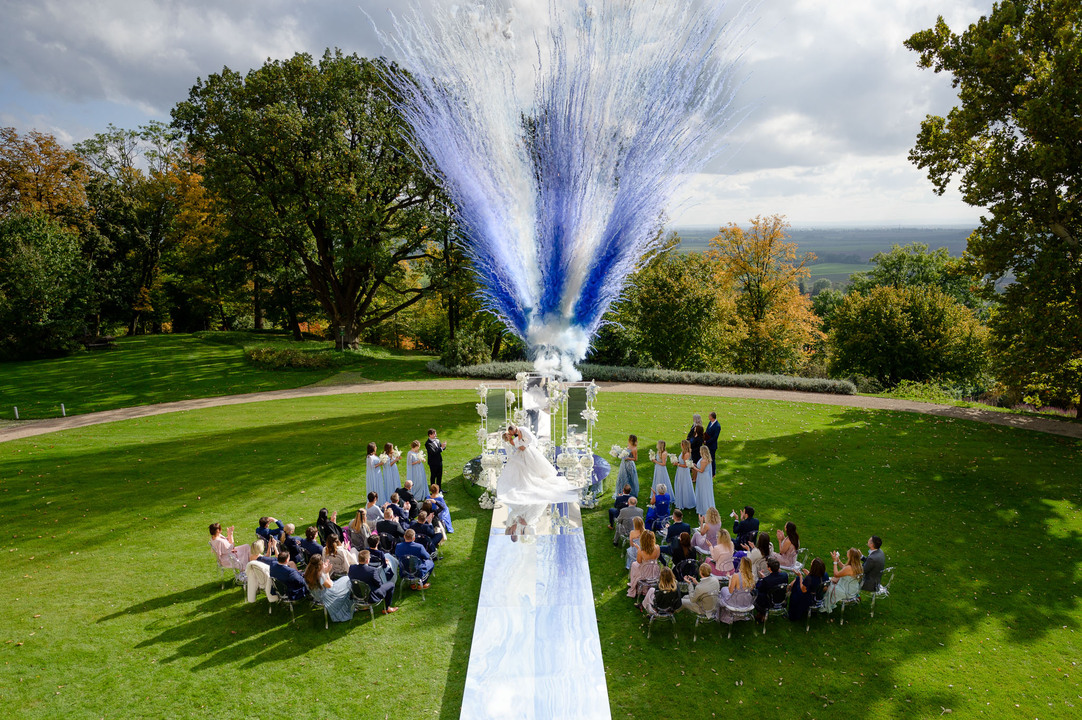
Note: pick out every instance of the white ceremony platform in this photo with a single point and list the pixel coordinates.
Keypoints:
(536, 654)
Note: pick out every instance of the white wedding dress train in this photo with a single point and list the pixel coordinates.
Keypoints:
(529, 483)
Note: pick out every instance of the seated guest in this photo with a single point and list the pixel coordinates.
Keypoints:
(788, 544)
(371, 577)
(229, 555)
(806, 589)
(845, 583)
(309, 545)
(271, 555)
(721, 555)
(292, 544)
(873, 564)
(372, 511)
(681, 550)
(429, 509)
(431, 521)
(660, 503)
(280, 570)
(400, 512)
(408, 547)
(648, 552)
(425, 533)
(665, 597)
(327, 525)
(387, 563)
(619, 504)
(629, 513)
(406, 499)
(266, 532)
(746, 525)
(677, 526)
(638, 527)
(257, 549)
(704, 595)
(340, 558)
(390, 525)
(758, 554)
(775, 578)
(358, 531)
(707, 534)
(738, 593)
(335, 596)
(439, 506)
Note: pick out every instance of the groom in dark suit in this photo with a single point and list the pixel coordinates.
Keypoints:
(434, 449)
(713, 430)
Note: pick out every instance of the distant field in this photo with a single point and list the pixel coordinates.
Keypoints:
(837, 273)
(847, 245)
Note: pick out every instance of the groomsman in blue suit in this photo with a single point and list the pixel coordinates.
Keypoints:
(410, 546)
(713, 431)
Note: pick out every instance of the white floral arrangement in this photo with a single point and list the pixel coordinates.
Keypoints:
(396, 454)
(587, 462)
(589, 499)
(491, 460)
(521, 377)
(591, 391)
(519, 416)
(482, 390)
(653, 455)
(510, 398)
(383, 459)
(494, 442)
(482, 436)
(487, 501)
(482, 409)
(566, 460)
(620, 453)
(589, 415)
(674, 459)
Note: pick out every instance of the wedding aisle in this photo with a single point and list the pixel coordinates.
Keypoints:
(536, 651)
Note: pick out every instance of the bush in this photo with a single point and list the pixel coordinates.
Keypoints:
(272, 358)
(467, 348)
(605, 373)
(921, 392)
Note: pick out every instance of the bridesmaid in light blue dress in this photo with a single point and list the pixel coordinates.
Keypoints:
(391, 479)
(629, 474)
(373, 476)
(415, 471)
(683, 491)
(661, 472)
(704, 483)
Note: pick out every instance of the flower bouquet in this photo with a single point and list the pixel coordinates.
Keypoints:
(620, 453)
(482, 409)
(653, 456)
(383, 459)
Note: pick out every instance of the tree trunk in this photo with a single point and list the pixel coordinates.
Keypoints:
(133, 324)
(257, 308)
(496, 346)
(291, 311)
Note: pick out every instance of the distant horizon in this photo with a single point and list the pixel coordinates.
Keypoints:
(840, 226)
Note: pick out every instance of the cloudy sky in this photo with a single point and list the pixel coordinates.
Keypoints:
(835, 98)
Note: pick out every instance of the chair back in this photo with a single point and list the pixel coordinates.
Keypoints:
(623, 527)
(411, 567)
(387, 542)
(650, 571)
(360, 591)
(280, 589)
(776, 595)
(884, 587)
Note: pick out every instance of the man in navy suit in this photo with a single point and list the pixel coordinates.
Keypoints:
(746, 526)
(296, 588)
(266, 532)
(372, 576)
(619, 504)
(434, 451)
(409, 546)
(425, 533)
(713, 431)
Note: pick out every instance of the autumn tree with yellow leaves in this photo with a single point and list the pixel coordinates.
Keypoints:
(765, 270)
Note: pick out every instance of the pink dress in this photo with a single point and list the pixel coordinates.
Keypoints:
(705, 542)
(722, 560)
(787, 556)
(646, 570)
(228, 555)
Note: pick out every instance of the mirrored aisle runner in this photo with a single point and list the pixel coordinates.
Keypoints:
(536, 653)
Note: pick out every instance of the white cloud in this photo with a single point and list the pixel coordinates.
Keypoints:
(835, 98)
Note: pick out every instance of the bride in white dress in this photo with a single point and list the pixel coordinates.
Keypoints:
(529, 483)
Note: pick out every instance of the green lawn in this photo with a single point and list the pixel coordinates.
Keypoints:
(113, 594)
(837, 273)
(162, 368)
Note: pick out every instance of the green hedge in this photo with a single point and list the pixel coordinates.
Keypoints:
(273, 358)
(605, 373)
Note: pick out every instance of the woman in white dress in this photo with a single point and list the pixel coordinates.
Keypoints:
(415, 471)
(661, 472)
(529, 483)
(373, 476)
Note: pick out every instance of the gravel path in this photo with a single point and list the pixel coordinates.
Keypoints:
(30, 428)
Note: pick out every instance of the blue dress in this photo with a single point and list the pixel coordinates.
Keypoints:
(443, 513)
(628, 475)
(373, 478)
(661, 477)
(415, 473)
(337, 599)
(683, 491)
(391, 479)
(704, 491)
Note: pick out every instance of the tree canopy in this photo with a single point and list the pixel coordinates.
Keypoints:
(1014, 144)
(312, 157)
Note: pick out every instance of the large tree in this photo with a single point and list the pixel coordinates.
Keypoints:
(1014, 143)
(766, 271)
(914, 265)
(37, 173)
(312, 157)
